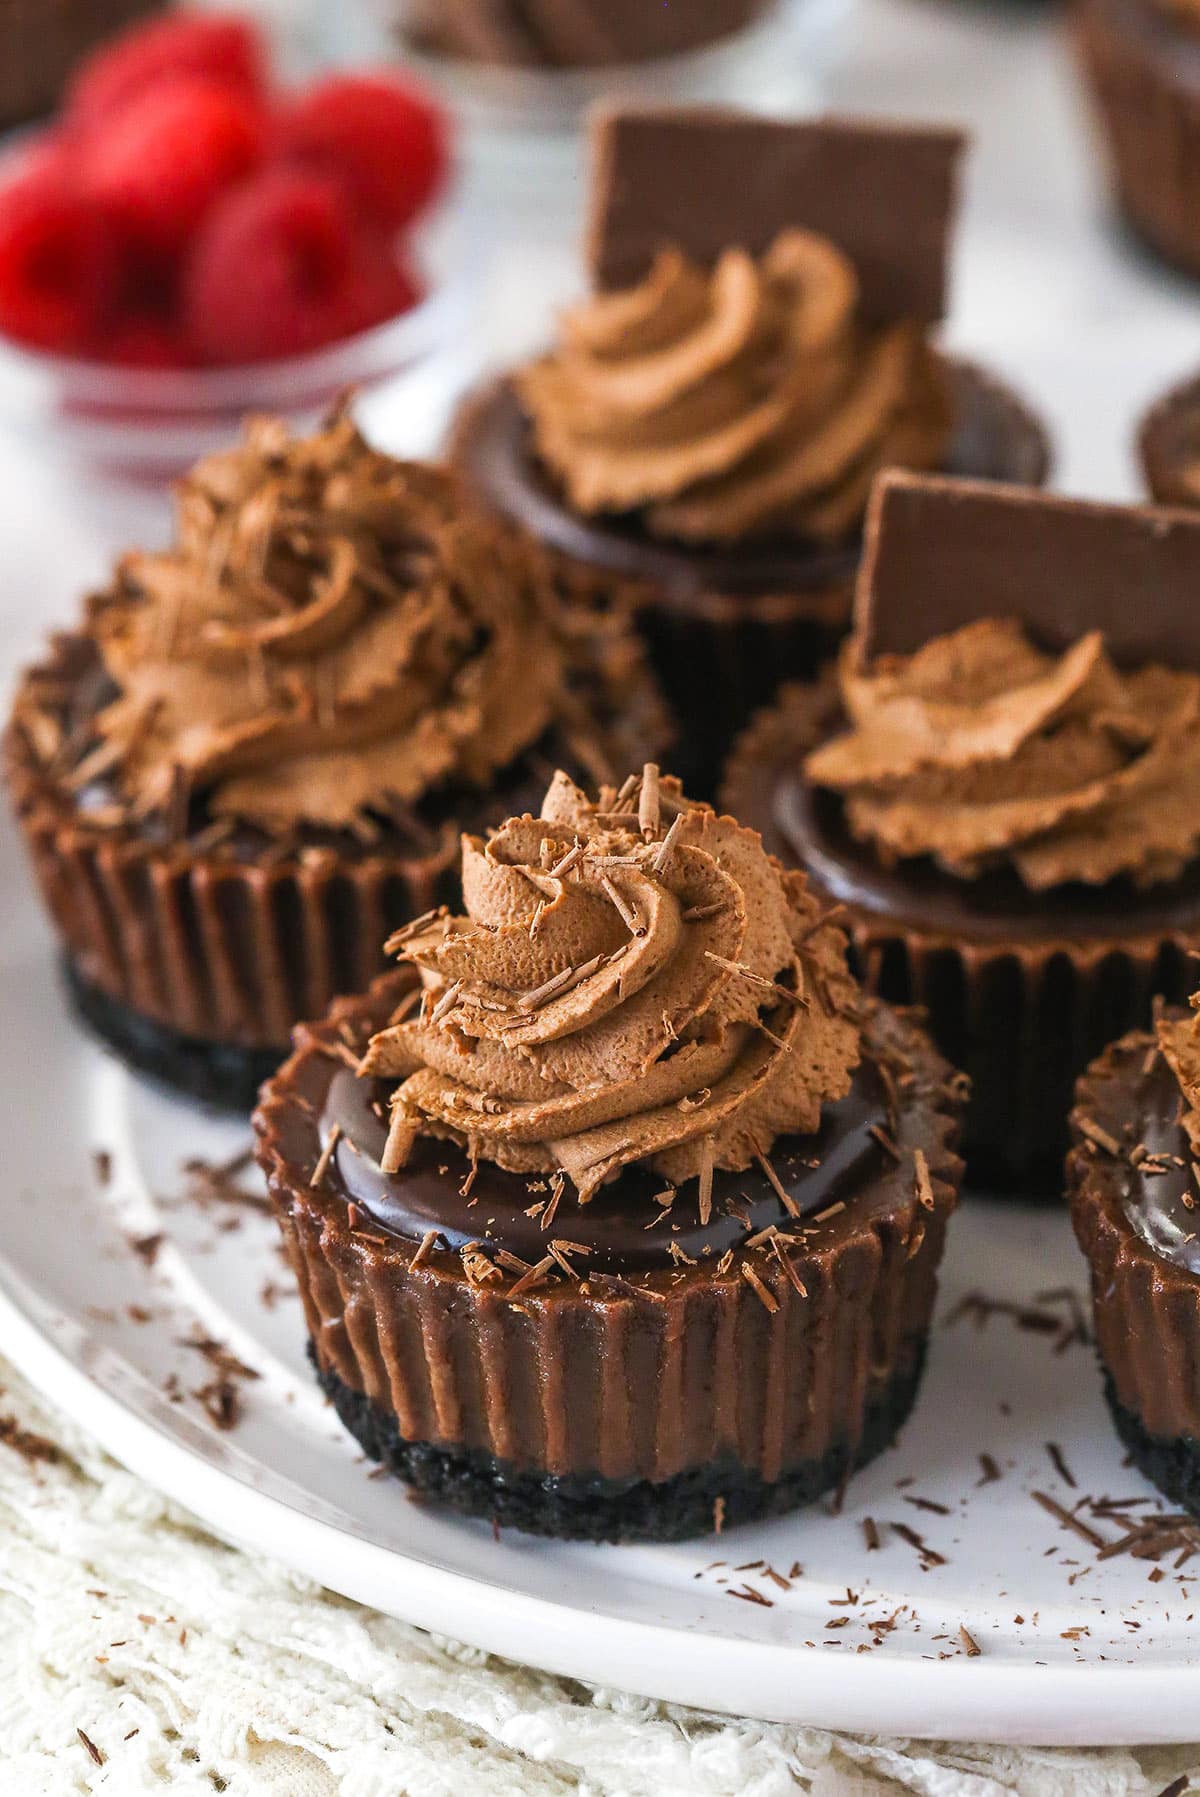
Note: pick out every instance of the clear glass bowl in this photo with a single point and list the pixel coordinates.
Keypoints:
(520, 128)
(150, 423)
(743, 69)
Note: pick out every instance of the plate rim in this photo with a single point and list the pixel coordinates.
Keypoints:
(780, 1682)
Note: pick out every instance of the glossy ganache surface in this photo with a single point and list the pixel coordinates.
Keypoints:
(993, 909)
(634, 1222)
(1160, 1193)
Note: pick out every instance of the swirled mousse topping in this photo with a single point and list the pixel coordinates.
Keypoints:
(334, 632)
(635, 981)
(982, 750)
(744, 401)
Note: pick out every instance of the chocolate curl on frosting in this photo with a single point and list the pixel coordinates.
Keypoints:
(1179, 1040)
(981, 748)
(335, 631)
(623, 988)
(727, 403)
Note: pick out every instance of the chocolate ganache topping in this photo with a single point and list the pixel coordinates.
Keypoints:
(334, 631)
(980, 750)
(743, 401)
(635, 981)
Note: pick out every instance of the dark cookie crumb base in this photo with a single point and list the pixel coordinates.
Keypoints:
(217, 1073)
(595, 1509)
(1172, 1464)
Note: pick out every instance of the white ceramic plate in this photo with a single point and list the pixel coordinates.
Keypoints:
(1070, 1650)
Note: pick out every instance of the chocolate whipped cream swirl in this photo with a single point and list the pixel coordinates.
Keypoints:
(982, 750)
(635, 980)
(334, 631)
(745, 401)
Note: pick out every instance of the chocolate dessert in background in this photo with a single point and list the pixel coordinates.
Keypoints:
(756, 347)
(1140, 61)
(617, 1213)
(42, 40)
(1131, 1184)
(255, 755)
(1001, 783)
(570, 33)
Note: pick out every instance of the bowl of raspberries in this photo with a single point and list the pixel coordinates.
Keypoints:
(188, 240)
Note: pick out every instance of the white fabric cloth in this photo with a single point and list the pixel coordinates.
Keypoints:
(196, 1669)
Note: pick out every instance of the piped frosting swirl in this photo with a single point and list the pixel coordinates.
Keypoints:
(981, 749)
(334, 632)
(744, 401)
(635, 980)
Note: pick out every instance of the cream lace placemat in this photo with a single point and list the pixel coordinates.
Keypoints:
(138, 1654)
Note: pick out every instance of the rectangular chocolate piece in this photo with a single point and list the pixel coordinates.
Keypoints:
(942, 553)
(708, 178)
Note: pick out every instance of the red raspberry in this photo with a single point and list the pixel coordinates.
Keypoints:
(58, 268)
(222, 46)
(386, 141)
(143, 340)
(272, 270)
(381, 288)
(160, 163)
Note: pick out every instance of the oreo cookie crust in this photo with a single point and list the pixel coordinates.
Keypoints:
(569, 1508)
(219, 1074)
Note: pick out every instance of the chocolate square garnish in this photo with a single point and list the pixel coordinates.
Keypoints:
(707, 178)
(941, 553)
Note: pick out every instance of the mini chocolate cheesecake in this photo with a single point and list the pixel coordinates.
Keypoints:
(1002, 788)
(568, 34)
(1141, 62)
(757, 346)
(1135, 1204)
(255, 755)
(620, 1218)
